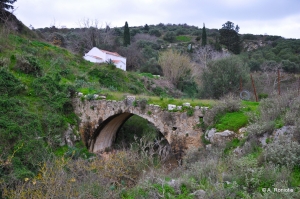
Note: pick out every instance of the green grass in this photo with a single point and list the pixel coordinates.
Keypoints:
(236, 120)
(183, 38)
(250, 106)
(295, 177)
(232, 121)
(234, 143)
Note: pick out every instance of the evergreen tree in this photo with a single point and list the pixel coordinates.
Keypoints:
(204, 36)
(126, 35)
(146, 27)
(229, 37)
(6, 4)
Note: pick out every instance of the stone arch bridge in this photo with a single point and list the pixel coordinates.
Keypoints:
(100, 120)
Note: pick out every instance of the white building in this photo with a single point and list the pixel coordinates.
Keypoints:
(97, 55)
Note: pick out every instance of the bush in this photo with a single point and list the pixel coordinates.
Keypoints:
(9, 85)
(28, 65)
(170, 36)
(155, 32)
(283, 152)
(229, 104)
(223, 76)
(262, 95)
(4, 62)
(260, 128)
(254, 65)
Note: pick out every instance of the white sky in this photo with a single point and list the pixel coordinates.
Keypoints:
(273, 17)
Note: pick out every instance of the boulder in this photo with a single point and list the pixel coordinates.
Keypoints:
(221, 137)
(171, 107)
(186, 104)
(210, 133)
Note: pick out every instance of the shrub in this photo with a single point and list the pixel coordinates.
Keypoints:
(229, 103)
(263, 95)
(142, 103)
(223, 76)
(4, 62)
(170, 36)
(9, 85)
(260, 128)
(90, 97)
(28, 65)
(283, 152)
(155, 32)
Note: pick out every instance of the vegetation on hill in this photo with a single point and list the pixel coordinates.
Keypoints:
(38, 80)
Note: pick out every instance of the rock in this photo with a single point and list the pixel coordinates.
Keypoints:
(187, 104)
(263, 139)
(238, 151)
(102, 97)
(208, 146)
(221, 137)
(197, 107)
(70, 137)
(96, 96)
(171, 107)
(204, 108)
(286, 131)
(225, 133)
(210, 133)
(79, 94)
(199, 194)
(243, 130)
(129, 100)
(179, 108)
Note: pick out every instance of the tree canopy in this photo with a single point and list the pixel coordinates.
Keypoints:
(204, 39)
(126, 35)
(229, 37)
(7, 4)
(230, 26)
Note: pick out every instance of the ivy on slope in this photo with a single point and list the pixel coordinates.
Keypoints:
(30, 126)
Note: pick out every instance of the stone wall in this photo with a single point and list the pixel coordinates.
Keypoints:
(101, 119)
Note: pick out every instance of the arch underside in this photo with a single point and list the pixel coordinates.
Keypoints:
(107, 131)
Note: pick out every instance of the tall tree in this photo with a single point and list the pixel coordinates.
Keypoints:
(229, 37)
(204, 39)
(146, 27)
(7, 4)
(126, 35)
(228, 25)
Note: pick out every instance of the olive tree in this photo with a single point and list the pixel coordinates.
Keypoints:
(223, 76)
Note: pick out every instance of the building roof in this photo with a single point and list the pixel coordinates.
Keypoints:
(98, 54)
(112, 53)
(96, 57)
(116, 61)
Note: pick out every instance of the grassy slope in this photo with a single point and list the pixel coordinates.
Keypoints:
(41, 108)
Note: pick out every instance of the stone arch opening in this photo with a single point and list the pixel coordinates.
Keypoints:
(134, 129)
(105, 134)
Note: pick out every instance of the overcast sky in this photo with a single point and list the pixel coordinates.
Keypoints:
(272, 17)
